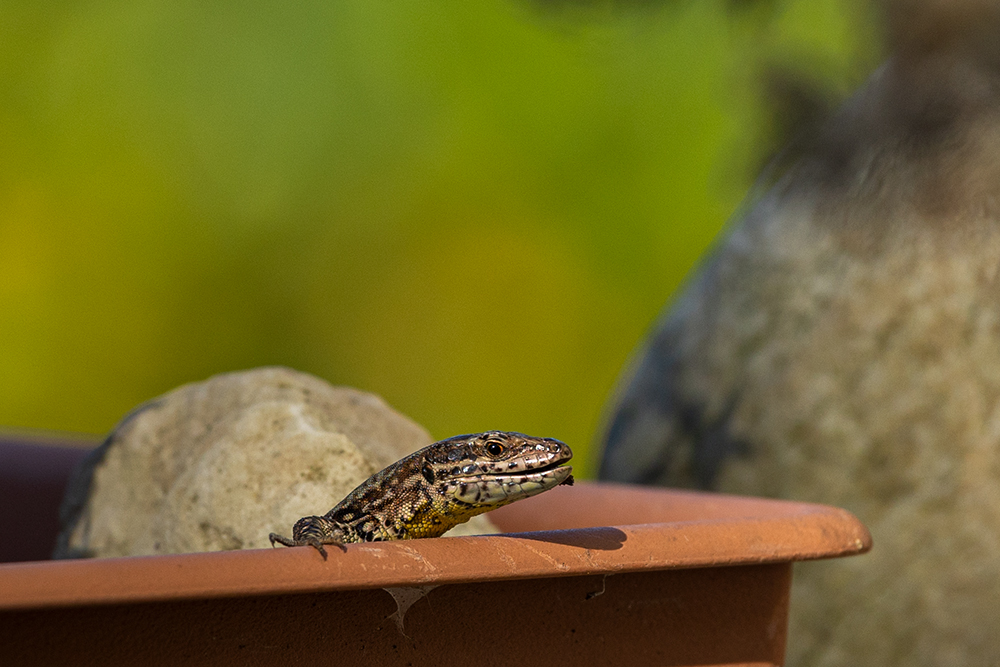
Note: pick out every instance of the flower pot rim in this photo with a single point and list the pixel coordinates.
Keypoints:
(591, 528)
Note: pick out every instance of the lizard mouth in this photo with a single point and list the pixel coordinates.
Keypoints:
(492, 488)
(549, 471)
(556, 467)
(549, 467)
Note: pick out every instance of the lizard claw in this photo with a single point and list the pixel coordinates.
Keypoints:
(306, 541)
(313, 542)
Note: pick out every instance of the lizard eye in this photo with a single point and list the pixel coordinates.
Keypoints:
(495, 448)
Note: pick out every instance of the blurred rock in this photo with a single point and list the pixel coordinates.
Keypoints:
(219, 464)
(842, 345)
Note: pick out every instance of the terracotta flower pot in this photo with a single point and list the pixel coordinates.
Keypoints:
(590, 574)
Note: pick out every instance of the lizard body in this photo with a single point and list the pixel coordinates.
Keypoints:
(438, 487)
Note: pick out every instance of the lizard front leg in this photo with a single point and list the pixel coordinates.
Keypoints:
(314, 531)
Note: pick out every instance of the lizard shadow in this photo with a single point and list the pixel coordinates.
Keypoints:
(603, 538)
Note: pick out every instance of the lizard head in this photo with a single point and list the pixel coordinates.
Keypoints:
(495, 468)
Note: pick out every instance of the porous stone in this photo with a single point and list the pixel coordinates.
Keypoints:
(220, 464)
(842, 345)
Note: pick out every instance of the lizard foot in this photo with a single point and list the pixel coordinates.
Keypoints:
(307, 540)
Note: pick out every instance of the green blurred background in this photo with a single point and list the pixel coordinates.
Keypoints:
(474, 209)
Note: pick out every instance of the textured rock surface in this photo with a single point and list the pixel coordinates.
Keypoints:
(842, 345)
(220, 464)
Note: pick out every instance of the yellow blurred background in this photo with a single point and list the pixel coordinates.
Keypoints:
(474, 209)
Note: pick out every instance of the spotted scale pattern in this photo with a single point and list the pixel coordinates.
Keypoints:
(438, 487)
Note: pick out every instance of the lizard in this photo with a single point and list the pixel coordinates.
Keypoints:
(438, 487)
